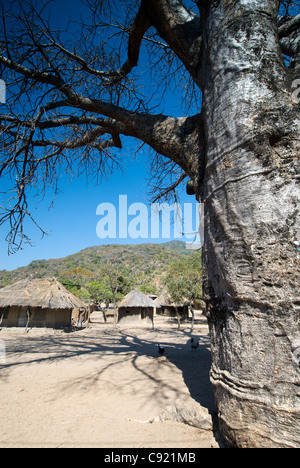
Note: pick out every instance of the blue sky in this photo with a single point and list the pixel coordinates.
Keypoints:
(71, 222)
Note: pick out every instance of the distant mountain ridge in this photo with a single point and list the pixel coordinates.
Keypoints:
(148, 259)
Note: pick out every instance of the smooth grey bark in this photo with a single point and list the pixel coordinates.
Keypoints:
(251, 195)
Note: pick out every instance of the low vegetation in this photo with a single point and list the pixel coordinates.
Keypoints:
(107, 273)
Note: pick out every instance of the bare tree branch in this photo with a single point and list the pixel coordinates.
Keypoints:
(74, 100)
(289, 35)
(180, 27)
(288, 25)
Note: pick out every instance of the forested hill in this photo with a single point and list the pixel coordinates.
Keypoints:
(146, 262)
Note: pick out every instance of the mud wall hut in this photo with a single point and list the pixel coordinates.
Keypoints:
(37, 303)
(165, 306)
(136, 309)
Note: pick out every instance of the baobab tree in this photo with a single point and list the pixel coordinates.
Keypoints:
(79, 98)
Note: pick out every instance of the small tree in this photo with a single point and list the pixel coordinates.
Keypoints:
(77, 279)
(183, 281)
(99, 292)
(112, 275)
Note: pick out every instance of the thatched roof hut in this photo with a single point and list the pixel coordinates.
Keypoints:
(165, 306)
(137, 299)
(136, 308)
(42, 302)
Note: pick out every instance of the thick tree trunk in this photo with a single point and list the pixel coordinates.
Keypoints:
(251, 197)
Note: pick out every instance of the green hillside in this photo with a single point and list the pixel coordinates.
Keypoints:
(144, 264)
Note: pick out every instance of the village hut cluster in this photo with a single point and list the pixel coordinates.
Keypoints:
(47, 303)
(38, 303)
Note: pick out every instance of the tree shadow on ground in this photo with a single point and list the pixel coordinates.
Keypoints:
(193, 365)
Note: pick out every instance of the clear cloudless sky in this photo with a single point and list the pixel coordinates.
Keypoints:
(71, 222)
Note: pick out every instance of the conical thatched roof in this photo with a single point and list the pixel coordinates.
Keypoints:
(137, 299)
(165, 300)
(47, 293)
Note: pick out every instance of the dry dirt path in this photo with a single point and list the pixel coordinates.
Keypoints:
(96, 387)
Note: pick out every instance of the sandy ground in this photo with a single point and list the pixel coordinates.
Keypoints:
(96, 387)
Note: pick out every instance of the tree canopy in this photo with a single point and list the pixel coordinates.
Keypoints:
(75, 92)
(183, 278)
